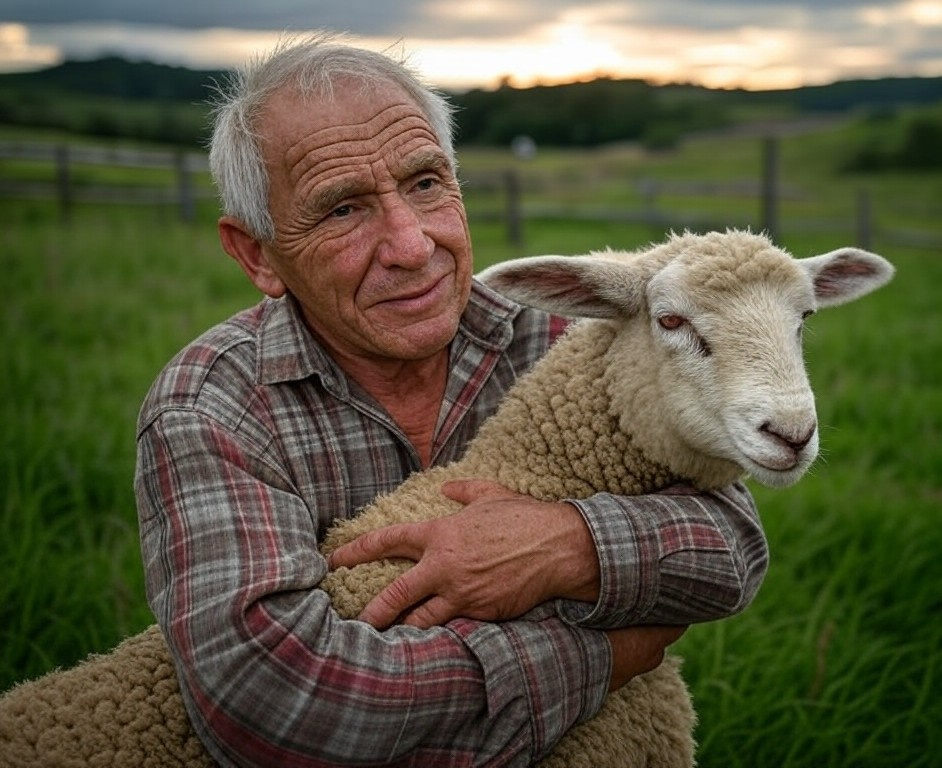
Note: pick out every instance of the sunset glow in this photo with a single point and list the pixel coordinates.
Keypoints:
(486, 42)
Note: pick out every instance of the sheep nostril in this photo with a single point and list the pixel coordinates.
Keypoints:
(795, 442)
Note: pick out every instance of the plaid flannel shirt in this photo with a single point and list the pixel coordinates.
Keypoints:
(252, 442)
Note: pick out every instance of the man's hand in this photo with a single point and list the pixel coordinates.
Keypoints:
(636, 650)
(497, 558)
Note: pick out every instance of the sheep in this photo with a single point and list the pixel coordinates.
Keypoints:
(124, 708)
(686, 367)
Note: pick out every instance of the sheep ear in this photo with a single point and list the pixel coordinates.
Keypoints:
(846, 274)
(574, 286)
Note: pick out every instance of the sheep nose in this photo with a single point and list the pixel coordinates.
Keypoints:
(793, 439)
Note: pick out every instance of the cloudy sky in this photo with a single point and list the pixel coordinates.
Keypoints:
(464, 43)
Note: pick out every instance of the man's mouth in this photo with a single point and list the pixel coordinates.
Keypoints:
(418, 299)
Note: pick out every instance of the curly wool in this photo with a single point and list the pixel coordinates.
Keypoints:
(553, 437)
(119, 709)
(574, 426)
(124, 708)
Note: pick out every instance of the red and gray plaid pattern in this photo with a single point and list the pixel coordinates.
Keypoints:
(252, 441)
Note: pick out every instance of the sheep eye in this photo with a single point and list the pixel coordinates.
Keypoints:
(674, 322)
(671, 322)
(804, 316)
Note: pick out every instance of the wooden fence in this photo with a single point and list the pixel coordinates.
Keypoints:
(766, 197)
(514, 211)
(177, 185)
(181, 181)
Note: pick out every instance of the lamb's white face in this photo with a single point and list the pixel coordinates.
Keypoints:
(732, 373)
(707, 369)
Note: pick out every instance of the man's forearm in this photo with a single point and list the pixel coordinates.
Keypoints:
(350, 694)
(271, 672)
(672, 558)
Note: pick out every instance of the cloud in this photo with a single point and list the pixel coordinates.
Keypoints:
(17, 51)
(363, 16)
(434, 18)
(750, 43)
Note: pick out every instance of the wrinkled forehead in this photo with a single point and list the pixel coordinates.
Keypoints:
(341, 141)
(356, 118)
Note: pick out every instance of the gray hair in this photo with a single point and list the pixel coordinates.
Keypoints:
(311, 65)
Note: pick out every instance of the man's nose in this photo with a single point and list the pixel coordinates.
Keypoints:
(403, 240)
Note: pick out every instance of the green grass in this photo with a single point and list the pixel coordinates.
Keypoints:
(837, 663)
(93, 312)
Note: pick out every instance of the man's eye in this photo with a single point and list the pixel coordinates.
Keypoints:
(341, 211)
(425, 184)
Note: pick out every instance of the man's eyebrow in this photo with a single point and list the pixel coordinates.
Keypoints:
(427, 160)
(329, 197)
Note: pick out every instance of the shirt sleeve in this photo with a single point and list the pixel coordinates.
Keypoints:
(672, 558)
(272, 676)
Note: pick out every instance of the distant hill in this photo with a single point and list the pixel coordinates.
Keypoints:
(156, 102)
(112, 98)
(606, 110)
(888, 92)
(116, 77)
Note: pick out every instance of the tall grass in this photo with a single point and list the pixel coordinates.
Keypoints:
(91, 314)
(837, 663)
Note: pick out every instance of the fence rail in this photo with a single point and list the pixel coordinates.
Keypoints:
(101, 155)
(184, 183)
(180, 191)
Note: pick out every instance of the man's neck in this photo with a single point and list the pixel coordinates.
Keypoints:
(411, 391)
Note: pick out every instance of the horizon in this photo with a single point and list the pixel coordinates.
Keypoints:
(738, 44)
(504, 82)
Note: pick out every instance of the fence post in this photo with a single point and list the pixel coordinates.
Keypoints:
(649, 190)
(770, 186)
(185, 187)
(63, 183)
(864, 220)
(514, 217)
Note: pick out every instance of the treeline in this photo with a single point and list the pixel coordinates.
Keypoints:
(113, 97)
(602, 111)
(607, 110)
(910, 143)
(115, 77)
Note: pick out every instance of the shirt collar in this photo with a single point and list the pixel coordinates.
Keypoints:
(288, 351)
(488, 318)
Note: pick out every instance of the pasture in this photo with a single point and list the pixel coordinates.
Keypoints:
(839, 660)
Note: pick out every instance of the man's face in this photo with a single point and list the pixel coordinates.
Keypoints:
(371, 232)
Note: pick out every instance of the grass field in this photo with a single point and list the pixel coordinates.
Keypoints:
(838, 662)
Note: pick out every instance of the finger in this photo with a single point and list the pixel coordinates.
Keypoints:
(401, 540)
(434, 612)
(399, 597)
(474, 489)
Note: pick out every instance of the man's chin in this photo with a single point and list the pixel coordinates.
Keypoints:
(420, 339)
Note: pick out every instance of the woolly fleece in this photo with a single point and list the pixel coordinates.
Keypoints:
(555, 436)
(554, 439)
(124, 709)
(581, 422)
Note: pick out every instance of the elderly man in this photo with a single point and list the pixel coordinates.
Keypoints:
(375, 354)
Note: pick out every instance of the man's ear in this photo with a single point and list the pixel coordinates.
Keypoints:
(242, 246)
